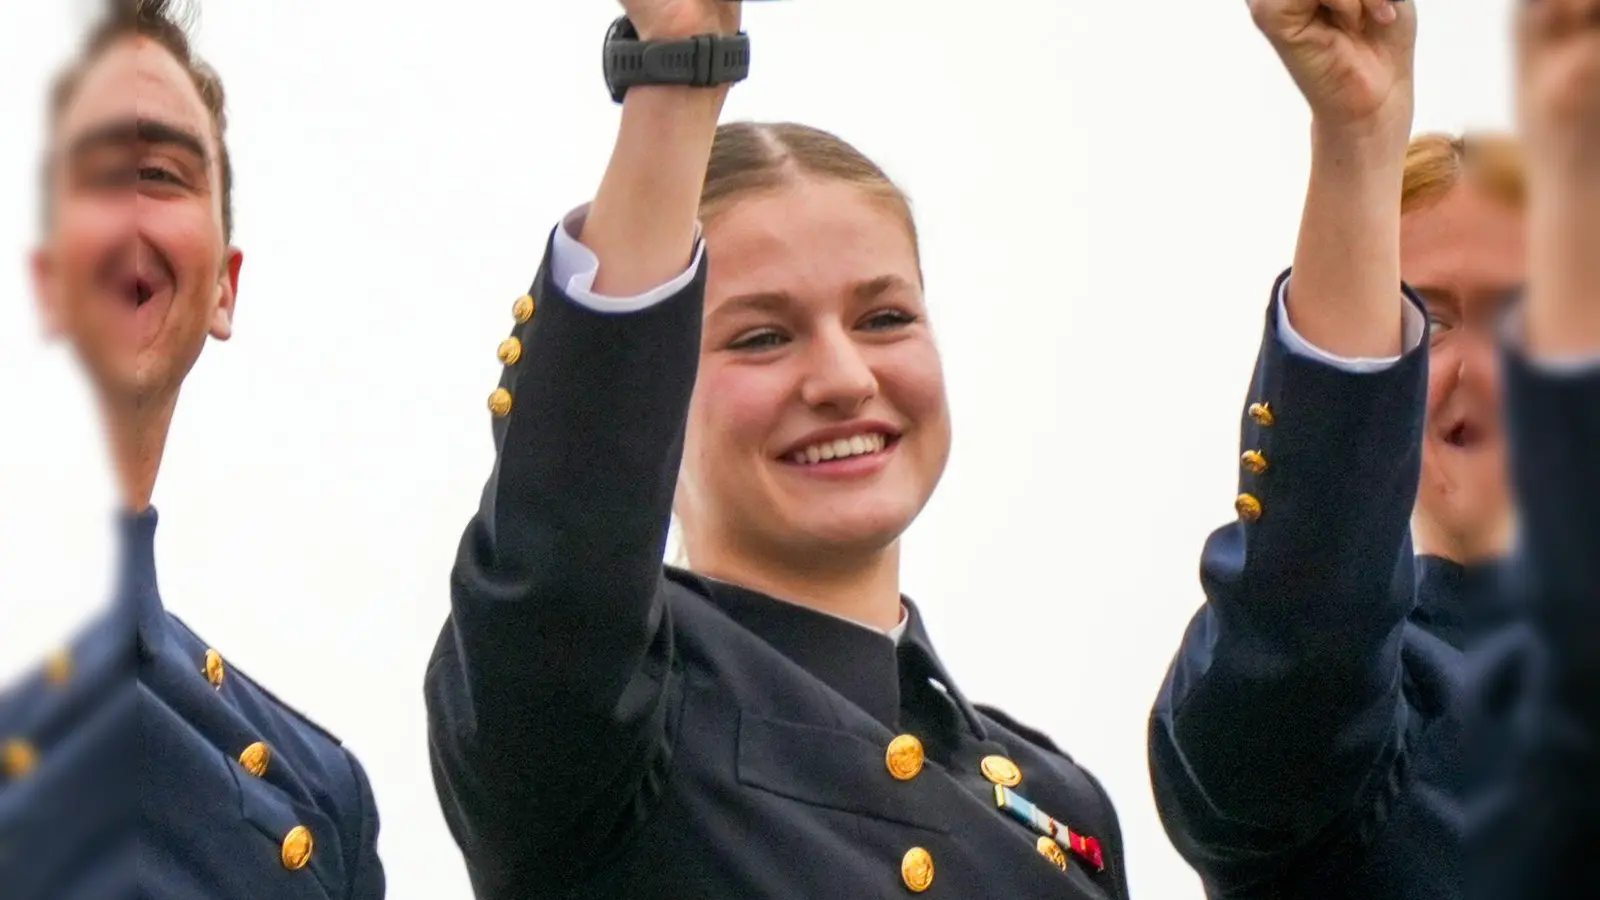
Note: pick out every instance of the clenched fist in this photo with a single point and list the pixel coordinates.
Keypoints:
(1352, 59)
(677, 19)
(1559, 81)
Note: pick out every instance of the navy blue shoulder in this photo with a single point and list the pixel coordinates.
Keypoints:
(277, 702)
(1031, 735)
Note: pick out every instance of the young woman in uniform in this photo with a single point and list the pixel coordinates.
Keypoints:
(773, 722)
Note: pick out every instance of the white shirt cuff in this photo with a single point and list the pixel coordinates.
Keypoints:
(1414, 326)
(574, 267)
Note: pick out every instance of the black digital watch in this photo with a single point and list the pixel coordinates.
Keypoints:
(705, 60)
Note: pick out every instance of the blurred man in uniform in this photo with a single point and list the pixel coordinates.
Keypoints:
(229, 793)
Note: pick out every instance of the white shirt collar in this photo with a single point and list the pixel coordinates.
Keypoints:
(894, 634)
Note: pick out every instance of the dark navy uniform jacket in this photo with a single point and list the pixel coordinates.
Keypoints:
(1555, 444)
(1309, 740)
(141, 763)
(603, 727)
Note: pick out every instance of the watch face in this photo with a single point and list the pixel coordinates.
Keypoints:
(622, 30)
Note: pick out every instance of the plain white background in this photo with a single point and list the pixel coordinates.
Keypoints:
(1106, 191)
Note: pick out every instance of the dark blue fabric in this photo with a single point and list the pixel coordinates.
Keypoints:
(1308, 740)
(139, 790)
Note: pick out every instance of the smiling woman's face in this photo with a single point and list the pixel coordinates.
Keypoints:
(819, 422)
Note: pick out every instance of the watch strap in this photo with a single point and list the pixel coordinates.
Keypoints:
(702, 61)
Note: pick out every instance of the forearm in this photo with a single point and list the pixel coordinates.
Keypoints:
(1347, 260)
(642, 224)
(1563, 300)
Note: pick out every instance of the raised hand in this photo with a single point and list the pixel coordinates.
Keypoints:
(1352, 59)
(670, 19)
(1559, 82)
(1559, 105)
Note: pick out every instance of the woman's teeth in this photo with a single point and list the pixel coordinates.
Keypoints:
(860, 445)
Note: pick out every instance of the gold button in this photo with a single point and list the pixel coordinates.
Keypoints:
(1000, 770)
(214, 668)
(1249, 507)
(500, 403)
(523, 308)
(1262, 414)
(297, 848)
(20, 758)
(510, 351)
(1052, 851)
(255, 758)
(916, 869)
(58, 668)
(904, 757)
(1253, 462)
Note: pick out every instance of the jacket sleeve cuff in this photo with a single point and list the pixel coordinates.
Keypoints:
(574, 267)
(1413, 322)
(1568, 366)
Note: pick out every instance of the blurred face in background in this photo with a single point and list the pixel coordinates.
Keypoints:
(819, 423)
(1464, 254)
(134, 269)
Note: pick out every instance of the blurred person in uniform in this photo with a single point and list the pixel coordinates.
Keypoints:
(1553, 404)
(139, 757)
(1308, 739)
(1339, 719)
(773, 721)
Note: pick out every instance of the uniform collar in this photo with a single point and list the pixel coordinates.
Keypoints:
(136, 592)
(863, 665)
(1462, 602)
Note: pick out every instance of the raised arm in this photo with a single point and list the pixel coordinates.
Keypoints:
(1282, 711)
(1553, 405)
(550, 688)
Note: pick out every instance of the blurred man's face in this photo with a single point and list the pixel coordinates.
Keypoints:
(1465, 256)
(135, 271)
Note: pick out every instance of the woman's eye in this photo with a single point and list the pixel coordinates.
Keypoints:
(760, 340)
(889, 319)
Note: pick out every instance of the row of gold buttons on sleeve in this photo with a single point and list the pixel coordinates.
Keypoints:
(255, 759)
(510, 352)
(904, 758)
(18, 757)
(1247, 505)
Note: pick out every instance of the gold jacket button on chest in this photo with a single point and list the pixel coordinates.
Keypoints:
(904, 757)
(255, 759)
(214, 669)
(500, 403)
(522, 310)
(510, 351)
(1261, 414)
(916, 870)
(1253, 462)
(1052, 851)
(58, 668)
(1000, 770)
(1248, 507)
(297, 846)
(18, 758)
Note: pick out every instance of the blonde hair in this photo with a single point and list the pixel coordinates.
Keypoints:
(1437, 164)
(750, 158)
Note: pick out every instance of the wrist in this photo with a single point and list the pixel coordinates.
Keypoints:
(681, 29)
(1376, 142)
